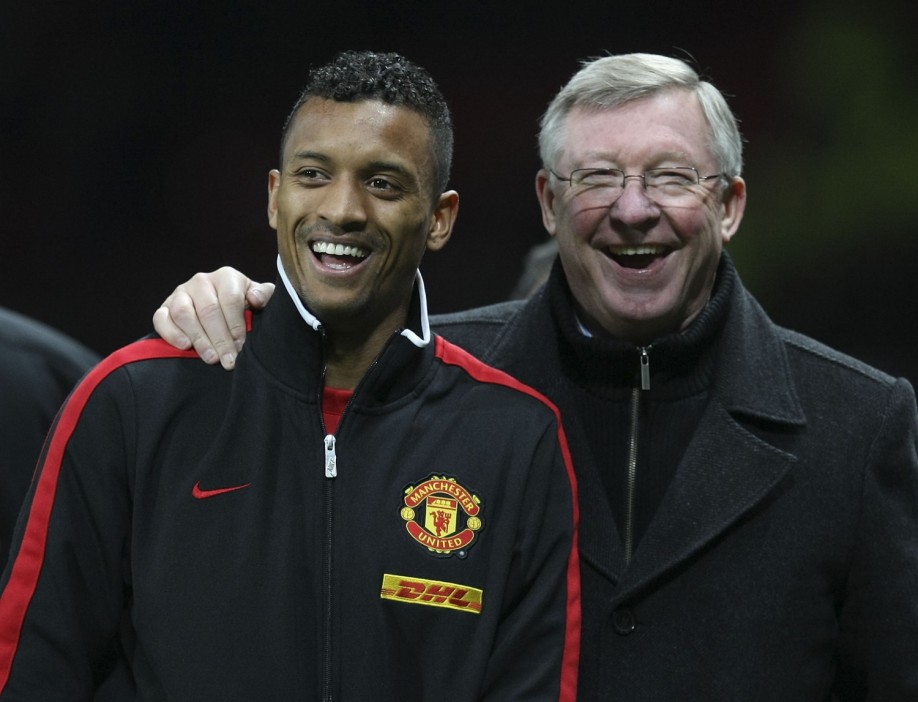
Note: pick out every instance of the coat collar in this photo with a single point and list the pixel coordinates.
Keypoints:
(754, 377)
(751, 374)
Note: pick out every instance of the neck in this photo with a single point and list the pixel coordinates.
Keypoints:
(638, 332)
(347, 358)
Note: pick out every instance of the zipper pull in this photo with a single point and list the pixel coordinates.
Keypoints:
(331, 459)
(645, 368)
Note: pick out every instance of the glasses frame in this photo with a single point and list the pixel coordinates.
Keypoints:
(643, 176)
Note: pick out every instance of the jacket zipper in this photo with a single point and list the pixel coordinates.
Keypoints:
(330, 443)
(330, 472)
(633, 451)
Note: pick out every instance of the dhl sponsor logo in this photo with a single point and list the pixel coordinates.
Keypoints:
(432, 593)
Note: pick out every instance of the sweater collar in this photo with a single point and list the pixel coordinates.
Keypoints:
(681, 362)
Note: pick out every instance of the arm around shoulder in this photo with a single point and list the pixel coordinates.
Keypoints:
(208, 313)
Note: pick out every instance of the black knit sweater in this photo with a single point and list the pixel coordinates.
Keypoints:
(604, 378)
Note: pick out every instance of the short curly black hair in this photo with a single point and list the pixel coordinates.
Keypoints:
(391, 78)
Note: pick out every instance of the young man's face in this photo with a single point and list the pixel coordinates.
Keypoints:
(639, 269)
(354, 210)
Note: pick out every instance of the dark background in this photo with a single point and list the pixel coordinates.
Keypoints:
(135, 140)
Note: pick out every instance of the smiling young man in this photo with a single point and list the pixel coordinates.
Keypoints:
(355, 206)
(361, 511)
(749, 497)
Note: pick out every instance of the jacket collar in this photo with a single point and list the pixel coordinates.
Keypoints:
(420, 336)
(288, 341)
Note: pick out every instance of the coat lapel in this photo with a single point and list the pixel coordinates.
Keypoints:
(725, 473)
(727, 470)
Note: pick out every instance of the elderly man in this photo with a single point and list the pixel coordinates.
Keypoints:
(361, 511)
(749, 497)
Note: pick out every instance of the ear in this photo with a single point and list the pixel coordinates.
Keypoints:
(274, 177)
(734, 205)
(546, 200)
(444, 218)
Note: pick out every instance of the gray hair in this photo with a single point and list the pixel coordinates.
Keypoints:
(615, 80)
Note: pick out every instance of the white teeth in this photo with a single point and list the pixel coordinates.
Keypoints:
(321, 247)
(638, 250)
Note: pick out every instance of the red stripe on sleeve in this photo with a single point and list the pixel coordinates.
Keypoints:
(26, 568)
(453, 355)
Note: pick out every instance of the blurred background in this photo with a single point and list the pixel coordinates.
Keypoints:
(135, 140)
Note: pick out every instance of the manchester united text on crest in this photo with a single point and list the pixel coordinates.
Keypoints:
(442, 515)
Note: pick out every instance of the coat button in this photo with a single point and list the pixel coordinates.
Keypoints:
(623, 621)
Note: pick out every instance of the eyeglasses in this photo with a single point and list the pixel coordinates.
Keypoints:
(673, 185)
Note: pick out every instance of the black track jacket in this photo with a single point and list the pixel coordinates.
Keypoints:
(198, 530)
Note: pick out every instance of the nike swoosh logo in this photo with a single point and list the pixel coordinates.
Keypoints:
(204, 494)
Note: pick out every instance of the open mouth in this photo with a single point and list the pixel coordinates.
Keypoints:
(637, 257)
(338, 256)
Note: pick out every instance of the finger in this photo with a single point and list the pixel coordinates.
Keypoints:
(220, 312)
(231, 288)
(256, 297)
(162, 323)
(188, 314)
(258, 294)
(209, 309)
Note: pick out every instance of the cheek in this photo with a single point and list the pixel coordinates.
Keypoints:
(708, 220)
(405, 252)
(697, 227)
(582, 222)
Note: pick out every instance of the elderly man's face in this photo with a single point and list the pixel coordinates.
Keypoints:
(639, 269)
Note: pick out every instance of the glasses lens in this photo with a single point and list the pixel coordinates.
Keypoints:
(591, 178)
(671, 185)
(676, 185)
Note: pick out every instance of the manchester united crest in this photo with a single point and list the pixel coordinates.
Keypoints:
(441, 515)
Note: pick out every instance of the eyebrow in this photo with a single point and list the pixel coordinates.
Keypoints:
(373, 166)
(314, 155)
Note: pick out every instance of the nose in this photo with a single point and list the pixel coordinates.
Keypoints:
(633, 206)
(342, 204)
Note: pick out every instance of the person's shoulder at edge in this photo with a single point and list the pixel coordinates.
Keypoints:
(477, 328)
(820, 352)
(43, 344)
(498, 313)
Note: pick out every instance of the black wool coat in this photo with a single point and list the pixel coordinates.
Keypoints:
(782, 562)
